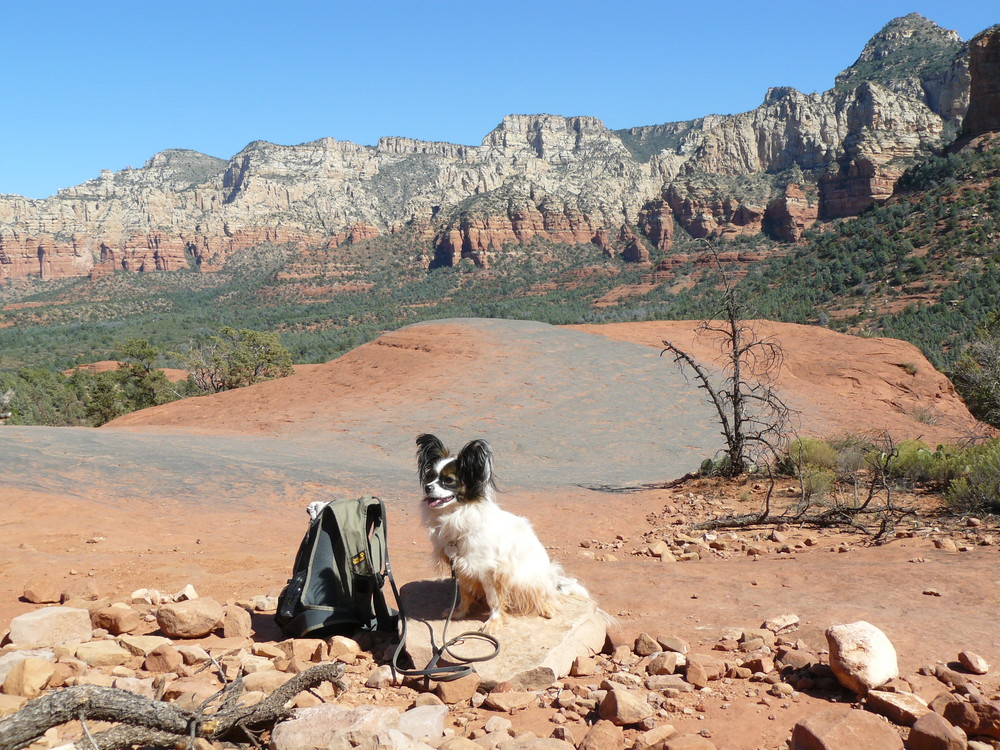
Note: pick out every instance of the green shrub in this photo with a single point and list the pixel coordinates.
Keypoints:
(809, 452)
(978, 490)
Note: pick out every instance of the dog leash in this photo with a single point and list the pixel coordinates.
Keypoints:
(434, 670)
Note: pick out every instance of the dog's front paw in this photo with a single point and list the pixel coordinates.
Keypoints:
(493, 625)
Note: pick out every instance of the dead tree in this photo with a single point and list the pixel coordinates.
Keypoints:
(143, 722)
(5, 399)
(753, 417)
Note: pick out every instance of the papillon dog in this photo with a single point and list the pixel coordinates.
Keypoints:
(495, 555)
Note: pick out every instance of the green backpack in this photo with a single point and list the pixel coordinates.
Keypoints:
(339, 571)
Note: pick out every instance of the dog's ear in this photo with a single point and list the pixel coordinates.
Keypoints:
(429, 450)
(474, 467)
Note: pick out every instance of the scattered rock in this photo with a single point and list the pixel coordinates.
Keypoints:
(645, 645)
(102, 654)
(973, 662)
(194, 618)
(782, 624)
(688, 742)
(841, 728)
(861, 656)
(899, 707)
(43, 591)
(933, 732)
(654, 736)
(623, 707)
(140, 645)
(603, 735)
(664, 662)
(509, 702)
(975, 718)
(236, 622)
(673, 643)
(164, 658)
(28, 677)
(51, 626)
(456, 691)
(116, 620)
(424, 722)
(186, 594)
(331, 727)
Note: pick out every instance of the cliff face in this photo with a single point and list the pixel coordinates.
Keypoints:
(778, 168)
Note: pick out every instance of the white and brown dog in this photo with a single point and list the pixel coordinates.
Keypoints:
(495, 555)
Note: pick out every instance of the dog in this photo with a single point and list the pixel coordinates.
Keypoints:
(495, 555)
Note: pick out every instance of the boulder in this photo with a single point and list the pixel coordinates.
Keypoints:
(861, 656)
(43, 591)
(688, 742)
(456, 691)
(542, 650)
(838, 729)
(193, 618)
(51, 626)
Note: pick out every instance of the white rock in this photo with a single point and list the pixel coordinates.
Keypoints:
(7, 661)
(861, 656)
(51, 626)
(424, 722)
(331, 727)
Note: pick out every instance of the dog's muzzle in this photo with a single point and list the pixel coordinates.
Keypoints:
(437, 502)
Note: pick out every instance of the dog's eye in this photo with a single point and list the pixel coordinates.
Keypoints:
(448, 481)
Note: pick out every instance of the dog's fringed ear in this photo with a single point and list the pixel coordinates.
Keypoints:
(429, 450)
(474, 467)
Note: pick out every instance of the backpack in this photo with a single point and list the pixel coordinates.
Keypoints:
(340, 568)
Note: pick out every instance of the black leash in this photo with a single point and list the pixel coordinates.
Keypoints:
(434, 670)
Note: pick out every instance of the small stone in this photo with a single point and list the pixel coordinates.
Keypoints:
(236, 622)
(424, 723)
(645, 645)
(456, 691)
(116, 620)
(688, 742)
(140, 645)
(654, 736)
(673, 643)
(946, 544)
(43, 591)
(164, 658)
(782, 624)
(622, 707)
(973, 662)
(664, 662)
(603, 735)
(584, 666)
(509, 702)
(381, 677)
(186, 594)
(193, 618)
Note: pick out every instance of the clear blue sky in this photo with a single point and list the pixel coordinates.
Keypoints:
(106, 84)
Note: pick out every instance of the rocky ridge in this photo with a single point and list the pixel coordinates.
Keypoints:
(778, 168)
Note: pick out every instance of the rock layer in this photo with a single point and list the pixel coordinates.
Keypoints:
(778, 168)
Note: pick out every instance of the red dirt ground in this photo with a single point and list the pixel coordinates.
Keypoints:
(839, 384)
